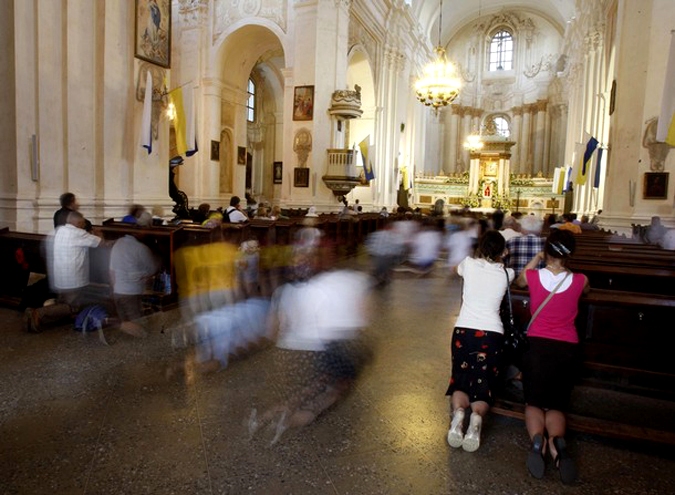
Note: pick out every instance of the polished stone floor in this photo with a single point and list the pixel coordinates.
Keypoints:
(135, 417)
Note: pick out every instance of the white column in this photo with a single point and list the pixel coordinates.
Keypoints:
(84, 120)
(515, 136)
(525, 156)
(466, 130)
(51, 82)
(453, 142)
(26, 124)
(538, 144)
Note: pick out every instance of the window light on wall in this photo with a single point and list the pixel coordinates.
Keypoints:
(501, 51)
(250, 102)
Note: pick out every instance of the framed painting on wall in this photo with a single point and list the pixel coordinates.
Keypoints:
(303, 103)
(655, 185)
(241, 155)
(153, 32)
(301, 177)
(215, 151)
(278, 172)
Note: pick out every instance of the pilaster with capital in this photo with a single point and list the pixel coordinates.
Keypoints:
(525, 165)
(516, 124)
(539, 136)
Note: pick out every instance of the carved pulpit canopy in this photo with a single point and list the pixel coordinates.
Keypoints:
(346, 104)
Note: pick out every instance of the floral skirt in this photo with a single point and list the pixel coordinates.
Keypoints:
(476, 362)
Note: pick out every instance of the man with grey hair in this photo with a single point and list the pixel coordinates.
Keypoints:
(523, 248)
(68, 272)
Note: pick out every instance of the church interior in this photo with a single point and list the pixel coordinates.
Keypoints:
(312, 109)
(278, 91)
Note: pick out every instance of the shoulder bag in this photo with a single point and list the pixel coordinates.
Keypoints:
(515, 336)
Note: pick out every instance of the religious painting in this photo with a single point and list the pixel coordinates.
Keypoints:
(278, 170)
(655, 185)
(301, 177)
(490, 169)
(215, 151)
(303, 103)
(153, 32)
(241, 155)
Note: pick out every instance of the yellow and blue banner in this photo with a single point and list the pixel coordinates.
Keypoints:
(364, 147)
(185, 121)
(585, 164)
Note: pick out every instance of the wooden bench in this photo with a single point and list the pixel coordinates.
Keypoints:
(625, 338)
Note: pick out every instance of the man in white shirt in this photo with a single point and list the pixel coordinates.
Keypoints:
(234, 211)
(68, 269)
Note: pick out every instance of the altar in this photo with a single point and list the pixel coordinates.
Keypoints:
(489, 184)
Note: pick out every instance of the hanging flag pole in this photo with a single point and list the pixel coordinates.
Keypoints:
(146, 121)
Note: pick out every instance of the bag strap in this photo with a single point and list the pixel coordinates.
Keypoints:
(548, 298)
(508, 295)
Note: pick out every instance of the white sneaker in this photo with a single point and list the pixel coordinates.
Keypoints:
(471, 440)
(456, 431)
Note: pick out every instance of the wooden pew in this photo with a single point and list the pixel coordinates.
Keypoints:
(344, 235)
(625, 339)
(620, 263)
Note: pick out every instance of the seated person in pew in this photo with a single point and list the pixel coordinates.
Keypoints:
(234, 211)
(586, 224)
(135, 212)
(68, 203)
(521, 249)
(68, 270)
(568, 224)
(132, 264)
(201, 214)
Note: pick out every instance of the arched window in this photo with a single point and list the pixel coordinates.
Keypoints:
(250, 102)
(501, 51)
(501, 126)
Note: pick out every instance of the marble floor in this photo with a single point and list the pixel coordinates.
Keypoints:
(135, 417)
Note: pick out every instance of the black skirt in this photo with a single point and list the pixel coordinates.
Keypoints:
(550, 370)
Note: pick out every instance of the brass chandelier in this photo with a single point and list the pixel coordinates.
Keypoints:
(439, 85)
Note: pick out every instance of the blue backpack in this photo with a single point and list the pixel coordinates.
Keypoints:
(91, 319)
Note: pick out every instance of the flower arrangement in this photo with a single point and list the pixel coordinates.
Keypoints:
(514, 180)
(471, 200)
(462, 178)
(501, 201)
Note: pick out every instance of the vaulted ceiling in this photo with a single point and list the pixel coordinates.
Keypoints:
(457, 13)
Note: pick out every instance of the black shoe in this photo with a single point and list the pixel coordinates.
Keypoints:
(564, 463)
(535, 457)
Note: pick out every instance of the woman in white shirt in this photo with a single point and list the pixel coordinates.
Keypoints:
(477, 339)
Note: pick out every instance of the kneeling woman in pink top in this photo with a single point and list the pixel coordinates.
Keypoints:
(553, 357)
